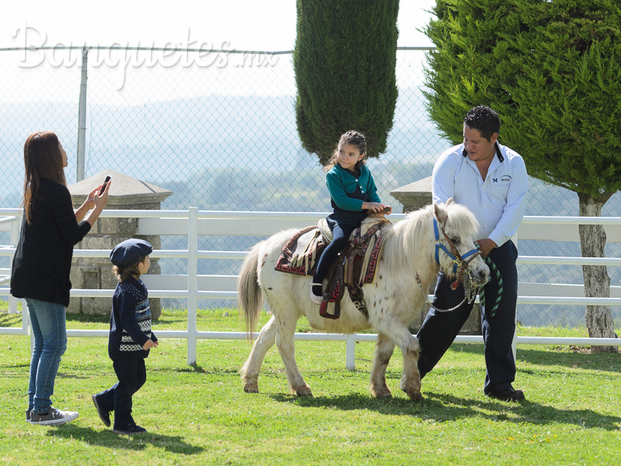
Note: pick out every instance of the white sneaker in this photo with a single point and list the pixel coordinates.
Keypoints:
(53, 417)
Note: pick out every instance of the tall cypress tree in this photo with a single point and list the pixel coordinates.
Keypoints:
(344, 61)
(552, 70)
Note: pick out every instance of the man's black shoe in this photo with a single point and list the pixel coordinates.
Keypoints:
(507, 394)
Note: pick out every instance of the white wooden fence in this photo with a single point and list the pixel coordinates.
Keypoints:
(191, 286)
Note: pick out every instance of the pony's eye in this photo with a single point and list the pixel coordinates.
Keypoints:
(455, 240)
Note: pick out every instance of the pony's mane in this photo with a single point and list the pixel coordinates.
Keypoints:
(412, 236)
(461, 219)
(403, 238)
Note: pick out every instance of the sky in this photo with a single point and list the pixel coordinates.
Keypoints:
(238, 24)
(230, 25)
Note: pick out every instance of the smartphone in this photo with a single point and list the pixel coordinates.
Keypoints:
(103, 188)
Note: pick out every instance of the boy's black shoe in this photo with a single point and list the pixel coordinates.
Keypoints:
(103, 415)
(133, 430)
(507, 394)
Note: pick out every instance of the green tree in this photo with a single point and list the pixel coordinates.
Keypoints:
(344, 61)
(551, 70)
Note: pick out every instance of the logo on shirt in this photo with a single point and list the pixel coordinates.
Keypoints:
(503, 179)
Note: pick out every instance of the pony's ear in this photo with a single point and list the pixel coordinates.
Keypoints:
(439, 212)
(450, 201)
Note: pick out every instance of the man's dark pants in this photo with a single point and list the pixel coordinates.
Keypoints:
(440, 328)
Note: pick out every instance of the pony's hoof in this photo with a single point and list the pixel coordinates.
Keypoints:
(413, 394)
(381, 394)
(251, 389)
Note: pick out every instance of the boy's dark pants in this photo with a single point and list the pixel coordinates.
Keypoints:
(132, 375)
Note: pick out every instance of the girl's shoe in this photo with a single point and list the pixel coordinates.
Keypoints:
(314, 298)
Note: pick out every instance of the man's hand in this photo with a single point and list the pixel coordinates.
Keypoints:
(485, 246)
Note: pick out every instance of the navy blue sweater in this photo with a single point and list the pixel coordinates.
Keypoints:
(130, 321)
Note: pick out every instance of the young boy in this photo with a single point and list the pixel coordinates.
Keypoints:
(130, 335)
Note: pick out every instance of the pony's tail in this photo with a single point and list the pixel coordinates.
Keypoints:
(249, 297)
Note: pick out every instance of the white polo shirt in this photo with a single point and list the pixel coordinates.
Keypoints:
(498, 203)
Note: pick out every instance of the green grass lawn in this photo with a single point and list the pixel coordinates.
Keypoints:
(201, 415)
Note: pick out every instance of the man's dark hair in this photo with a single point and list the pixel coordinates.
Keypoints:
(483, 119)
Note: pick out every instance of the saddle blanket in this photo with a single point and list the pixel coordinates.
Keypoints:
(299, 254)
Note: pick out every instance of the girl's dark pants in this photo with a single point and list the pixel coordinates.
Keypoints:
(341, 234)
(440, 328)
(132, 375)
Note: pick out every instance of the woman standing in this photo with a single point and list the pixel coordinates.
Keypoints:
(42, 263)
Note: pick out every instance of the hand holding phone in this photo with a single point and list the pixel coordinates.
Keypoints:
(105, 183)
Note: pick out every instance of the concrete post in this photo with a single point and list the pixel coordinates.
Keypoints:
(96, 273)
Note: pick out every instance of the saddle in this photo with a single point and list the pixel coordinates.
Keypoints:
(354, 266)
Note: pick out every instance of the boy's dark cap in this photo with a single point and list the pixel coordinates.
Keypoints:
(127, 253)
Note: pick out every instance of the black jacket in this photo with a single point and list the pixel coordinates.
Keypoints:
(42, 262)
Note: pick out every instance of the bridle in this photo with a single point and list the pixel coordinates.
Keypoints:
(460, 267)
(460, 264)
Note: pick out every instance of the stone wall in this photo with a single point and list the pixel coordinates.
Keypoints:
(96, 272)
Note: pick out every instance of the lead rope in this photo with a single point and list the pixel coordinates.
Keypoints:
(493, 269)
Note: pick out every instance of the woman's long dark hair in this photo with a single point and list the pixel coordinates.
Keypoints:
(42, 159)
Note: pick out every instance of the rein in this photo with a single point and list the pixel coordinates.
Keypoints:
(469, 293)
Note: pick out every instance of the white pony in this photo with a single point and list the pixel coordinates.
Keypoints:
(410, 260)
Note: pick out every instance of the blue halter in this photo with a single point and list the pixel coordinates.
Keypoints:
(458, 260)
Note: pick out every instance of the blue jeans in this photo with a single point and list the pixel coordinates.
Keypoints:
(50, 342)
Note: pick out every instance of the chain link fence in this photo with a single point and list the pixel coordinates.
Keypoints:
(218, 129)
